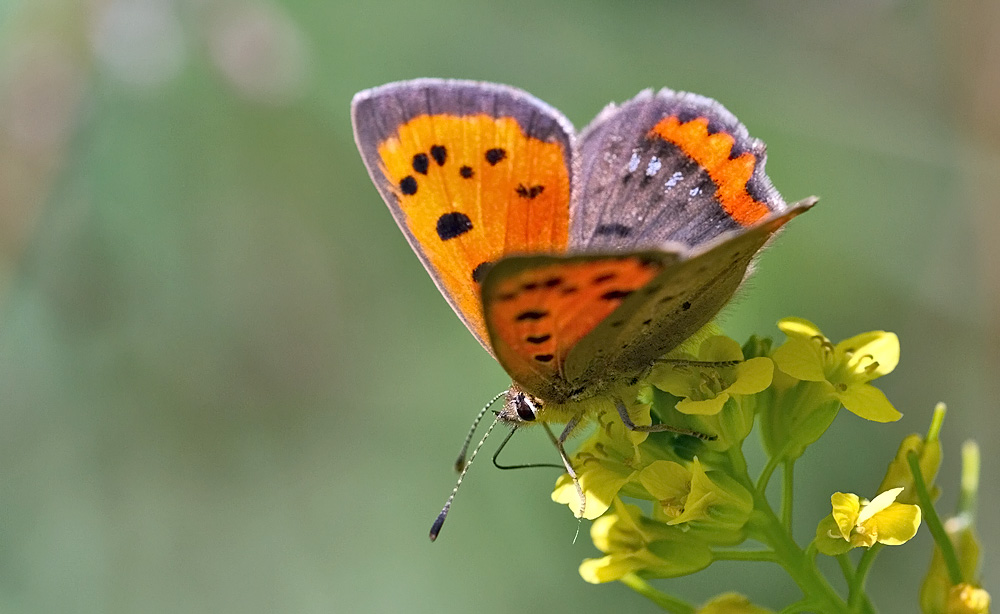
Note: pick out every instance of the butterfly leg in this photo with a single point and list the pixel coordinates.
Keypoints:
(654, 428)
(681, 362)
(558, 442)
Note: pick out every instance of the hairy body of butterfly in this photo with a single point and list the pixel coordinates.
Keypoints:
(576, 260)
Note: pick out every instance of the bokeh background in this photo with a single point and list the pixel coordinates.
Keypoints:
(228, 386)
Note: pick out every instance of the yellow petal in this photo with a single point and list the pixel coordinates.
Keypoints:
(666, 479)
(845, 512)
(608, 568)
(600, 532)
(878, 346)
(896, 524)
(799, 327)
(708, 407)
(801, 358)
(868, 402)
(600, 483)
(695, 508)
(678, 381)
(720, 349)
(879, 503)
(753, 376)
(967, 599)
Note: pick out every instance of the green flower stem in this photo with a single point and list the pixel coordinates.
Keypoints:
(765, 474)
(811, 551)
(857, 596)
(799, 565)
(745, 555)
(799, 606)
(937, 419)
(667, 602)
(738, 466)
(934, 521)
(794, 560)
(787, 488)
(846, 567)
(970, 481)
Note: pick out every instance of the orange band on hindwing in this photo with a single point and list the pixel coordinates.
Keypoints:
(712, 152)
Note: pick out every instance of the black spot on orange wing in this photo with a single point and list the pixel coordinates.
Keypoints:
(569, 290)
(544, 357)
(420, 163)
(552, 282)
(408, 185)
(536, 339)
(454, 224)
(531, 285)
(466, 172)
(495, 155)
(439, 153)
(686, 305)
(529, 193)
(534, 314)
(600, 279)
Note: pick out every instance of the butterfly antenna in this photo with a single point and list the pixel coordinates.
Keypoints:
(439, 522)
(460, 461)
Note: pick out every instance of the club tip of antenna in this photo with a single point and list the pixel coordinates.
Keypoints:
(460, 464)
(436, 527)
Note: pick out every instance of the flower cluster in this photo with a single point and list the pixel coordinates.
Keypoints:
(693, 500)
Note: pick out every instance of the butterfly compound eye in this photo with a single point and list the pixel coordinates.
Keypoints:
(525, 408)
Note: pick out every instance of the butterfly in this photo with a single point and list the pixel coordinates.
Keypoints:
(576, 259)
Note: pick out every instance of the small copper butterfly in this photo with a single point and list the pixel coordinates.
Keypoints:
(576, 260)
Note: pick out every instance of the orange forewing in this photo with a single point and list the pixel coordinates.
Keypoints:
(712, 152)
(541, 307)
(472, 189)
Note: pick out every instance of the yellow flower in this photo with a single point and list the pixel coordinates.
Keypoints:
(928, 451)
(704, 391)
(715, 507)
(845, 368)
(965, 598)
(633, 543)
(731, 603)
(856, 522)
(604, 464)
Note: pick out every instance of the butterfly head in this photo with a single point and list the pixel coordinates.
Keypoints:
(519, 407)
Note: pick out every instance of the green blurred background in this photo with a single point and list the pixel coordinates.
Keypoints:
(228, 386)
